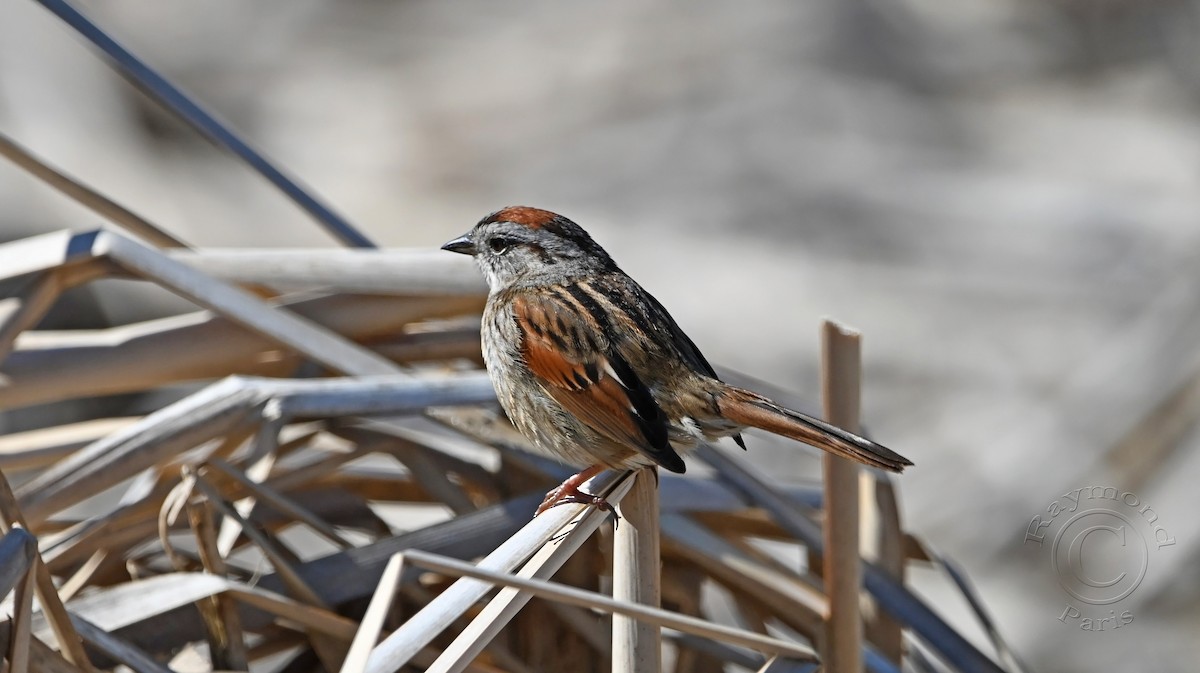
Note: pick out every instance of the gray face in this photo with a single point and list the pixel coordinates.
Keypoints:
(511, 253)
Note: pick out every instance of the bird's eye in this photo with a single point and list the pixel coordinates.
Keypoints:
(500, 244)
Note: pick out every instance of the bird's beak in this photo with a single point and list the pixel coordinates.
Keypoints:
(462, 245)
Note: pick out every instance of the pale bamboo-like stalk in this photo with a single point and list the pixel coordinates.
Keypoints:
(499, 611)
(286, 329)
(226, 407)
(423, 272)
(591, 599)
(841, 370)
(637, 559)
(44, 446)
(48, 366)
(238, 305)
(372, 621)
(84, 195)
(399, 648)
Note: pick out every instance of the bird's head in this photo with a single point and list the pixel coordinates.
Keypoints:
(529, 246)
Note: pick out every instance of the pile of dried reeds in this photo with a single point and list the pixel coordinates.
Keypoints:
(332, 469)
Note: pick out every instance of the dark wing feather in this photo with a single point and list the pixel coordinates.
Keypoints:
(562, 348)
(684, 345)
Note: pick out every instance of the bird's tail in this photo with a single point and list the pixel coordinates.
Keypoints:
(753, 410)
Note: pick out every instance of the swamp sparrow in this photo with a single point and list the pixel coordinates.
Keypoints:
(595, 372)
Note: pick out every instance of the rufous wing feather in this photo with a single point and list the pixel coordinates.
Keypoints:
(753, 410)
(597, 387)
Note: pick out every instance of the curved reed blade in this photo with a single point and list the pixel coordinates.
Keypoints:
(174, 99)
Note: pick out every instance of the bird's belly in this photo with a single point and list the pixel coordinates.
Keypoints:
(552, 430)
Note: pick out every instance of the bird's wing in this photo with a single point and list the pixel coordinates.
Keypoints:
(566, 346)
(682, 343)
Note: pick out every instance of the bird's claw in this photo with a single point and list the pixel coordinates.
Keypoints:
(561, 496)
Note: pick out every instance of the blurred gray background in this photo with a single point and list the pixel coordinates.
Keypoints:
(1003, 195)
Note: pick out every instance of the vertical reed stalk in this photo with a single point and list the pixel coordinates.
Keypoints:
(841, 367)
(637, 646)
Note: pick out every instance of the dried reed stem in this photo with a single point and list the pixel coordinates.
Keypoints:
(841, 369)
(637, 559)
(372, 621)
(591, 599)
(86, 196)
(544, 563)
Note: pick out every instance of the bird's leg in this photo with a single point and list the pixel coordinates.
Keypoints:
(568, 491)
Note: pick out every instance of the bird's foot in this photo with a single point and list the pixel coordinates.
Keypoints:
(569, 492)
(555, 498)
